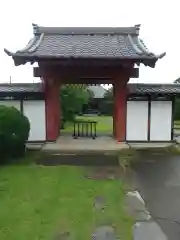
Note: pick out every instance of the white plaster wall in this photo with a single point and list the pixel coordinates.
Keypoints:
(11, 103)
(137, 121)
(161, 120)
(35, 111)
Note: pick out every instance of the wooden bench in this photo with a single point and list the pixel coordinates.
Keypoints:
(84, 129)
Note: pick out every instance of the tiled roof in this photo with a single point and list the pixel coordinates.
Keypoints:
(86, 43)
(133, 88)
(20, 87)
(154, 88)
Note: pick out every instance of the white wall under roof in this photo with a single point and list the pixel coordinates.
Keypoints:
(161, 121)
(137, 121)
(158, 124)
(35, 111)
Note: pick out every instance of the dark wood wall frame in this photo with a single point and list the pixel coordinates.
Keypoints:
(172, 118)
(21, 106)
(8, 96)
(160, 97)
(149, 118)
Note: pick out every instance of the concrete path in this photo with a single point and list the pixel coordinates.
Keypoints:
(69, 144)
(101, 144)
(141, 145)
(159, 184)
(145, 227)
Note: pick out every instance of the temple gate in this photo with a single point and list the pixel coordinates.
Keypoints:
(88, 55)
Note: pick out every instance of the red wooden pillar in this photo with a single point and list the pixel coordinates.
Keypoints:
(114, 113)
(120, 106)
(52, 102)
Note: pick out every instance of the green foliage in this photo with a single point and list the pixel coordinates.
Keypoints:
(72, 100)
(106, 107)
(177, 109)
(109, 94)
(14, 131)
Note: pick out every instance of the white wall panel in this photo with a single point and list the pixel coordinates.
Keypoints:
(137, 121)
(160, 122)
(11, 103)
(35, 111)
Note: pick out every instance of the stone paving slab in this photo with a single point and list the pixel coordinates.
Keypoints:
(145, 228)
(136, 207)
(148, 231)
(150, 145)
(34, 146)
(100, 144)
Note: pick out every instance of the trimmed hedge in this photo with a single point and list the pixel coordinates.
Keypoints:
(14, 132)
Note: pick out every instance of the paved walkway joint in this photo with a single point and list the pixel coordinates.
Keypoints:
(145, 227)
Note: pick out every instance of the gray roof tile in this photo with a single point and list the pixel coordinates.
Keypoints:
(85, 46)
(154, 88)
(133, 88)
(20, 87)
(113, 43)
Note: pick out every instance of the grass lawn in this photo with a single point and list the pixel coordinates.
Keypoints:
(39, 202)
(105, 124)
(177, 124)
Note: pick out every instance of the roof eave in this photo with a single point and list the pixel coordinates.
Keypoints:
(20, 59)
(17, 60)
(9, 53)
(160, 56)
(32, 46)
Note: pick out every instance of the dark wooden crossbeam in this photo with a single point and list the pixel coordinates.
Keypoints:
(104, 74)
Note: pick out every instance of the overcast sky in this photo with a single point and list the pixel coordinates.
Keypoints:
(160, 29)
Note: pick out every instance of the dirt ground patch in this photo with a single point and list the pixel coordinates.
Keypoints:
(77, 160)
(106, 172)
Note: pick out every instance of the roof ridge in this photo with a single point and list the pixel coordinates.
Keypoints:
(143, 47)
(135, 47)
(134, 30)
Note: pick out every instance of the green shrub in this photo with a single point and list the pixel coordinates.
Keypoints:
(177, 109)
(14, 132)
(106, 107)
(72, 98)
